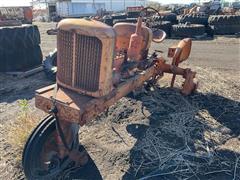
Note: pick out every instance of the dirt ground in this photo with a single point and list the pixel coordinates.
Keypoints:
(156, 134)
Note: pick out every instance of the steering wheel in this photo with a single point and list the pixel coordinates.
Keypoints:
(148, 13)
(148, 18)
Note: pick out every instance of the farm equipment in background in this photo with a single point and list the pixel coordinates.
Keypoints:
(134, 11)
(19, 14)
(208, 8)
(199, 14)
(97, 65)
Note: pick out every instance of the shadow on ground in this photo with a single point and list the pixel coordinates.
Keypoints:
(174, 144)
(88, 172)
(182, 151)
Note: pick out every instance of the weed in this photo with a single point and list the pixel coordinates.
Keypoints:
(19, 130)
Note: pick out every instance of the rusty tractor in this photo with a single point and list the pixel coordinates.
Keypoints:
(97, 65)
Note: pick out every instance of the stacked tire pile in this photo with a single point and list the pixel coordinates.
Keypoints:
(225, 24)
(194, 19)
(117, 18)
(197, 25)
(19, 48)
(191, 25)
(165, 23)
(188, 30)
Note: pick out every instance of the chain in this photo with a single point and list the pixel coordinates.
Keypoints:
(54, 112)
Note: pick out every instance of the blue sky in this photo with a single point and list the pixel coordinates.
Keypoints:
(173, 1)
(26, 2)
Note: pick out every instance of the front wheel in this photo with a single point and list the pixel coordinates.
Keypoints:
(40, 155)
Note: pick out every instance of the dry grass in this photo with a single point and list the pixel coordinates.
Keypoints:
(188, 142)
(20, 130)
(185, 138)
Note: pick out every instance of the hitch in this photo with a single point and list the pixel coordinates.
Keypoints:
(179, 53)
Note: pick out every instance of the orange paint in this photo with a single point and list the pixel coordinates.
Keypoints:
(136, 40)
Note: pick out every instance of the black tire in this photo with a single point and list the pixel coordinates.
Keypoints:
(19, 48)
(32, 149)
(226, 29)
(40, 156)
(119, 16)
(225, 24)
(166, 26)
(40, 126)
(128, 20)
(171, 17)
(50, 65)
(224, 20)
(108, 20)
(135, 14)
(52, 31)
(191, 30)
(210, 31)
(19, 37)
(21, 59)
(194, 19)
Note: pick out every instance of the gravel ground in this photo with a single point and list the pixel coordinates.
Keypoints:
(157, 134)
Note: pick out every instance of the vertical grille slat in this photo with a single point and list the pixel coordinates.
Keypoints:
(84, 55)
(65, 47)
(88, 60)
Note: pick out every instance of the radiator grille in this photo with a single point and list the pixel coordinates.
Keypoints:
(83, 58)
(65, 58)
(88, 59)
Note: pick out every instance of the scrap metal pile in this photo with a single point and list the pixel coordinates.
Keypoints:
(192, 21)
(97, 65)
(15, 16)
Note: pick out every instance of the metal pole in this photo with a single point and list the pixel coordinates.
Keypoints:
(47, 10)
(111, 4)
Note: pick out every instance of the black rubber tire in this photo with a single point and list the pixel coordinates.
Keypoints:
(21, 59)
(108, 20)
(50, 65)
(52, 31)
(166, 26)
(210, 31)
(128, 20)
(224, 20)
(19, 48)
(194, 19)
(19, 37)
(135, 14)
(42, 124)
(225, 24)
(192, 30)
(171, 17)
(33, 146)
(119, 16)
(226, 29)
